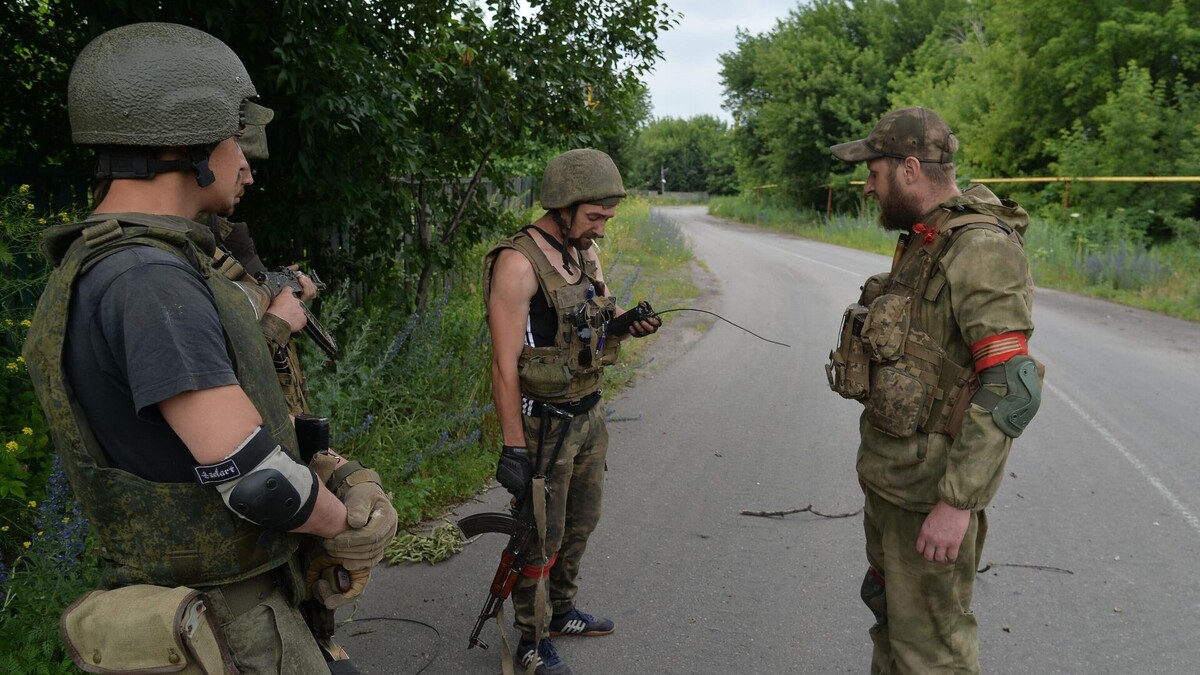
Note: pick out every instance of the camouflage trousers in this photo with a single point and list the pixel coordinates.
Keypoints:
(270, 638)
(572, 511)
(924, 622)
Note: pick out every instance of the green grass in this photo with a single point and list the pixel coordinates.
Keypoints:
(408, 395)
(1097, 255)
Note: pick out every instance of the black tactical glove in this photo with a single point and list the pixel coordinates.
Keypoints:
(514, 471)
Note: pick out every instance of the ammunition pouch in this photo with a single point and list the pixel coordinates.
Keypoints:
(848, 367)
(913, 386)
(145, 629)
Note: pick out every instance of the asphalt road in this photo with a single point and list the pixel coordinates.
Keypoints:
(1094, 535)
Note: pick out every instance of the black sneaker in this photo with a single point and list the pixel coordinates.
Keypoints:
(576, 622)
(545, 656)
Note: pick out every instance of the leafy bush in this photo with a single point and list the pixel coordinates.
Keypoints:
(408, 397)
(25, 454)
(50, 573)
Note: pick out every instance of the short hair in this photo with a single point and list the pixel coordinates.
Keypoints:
(940, 174)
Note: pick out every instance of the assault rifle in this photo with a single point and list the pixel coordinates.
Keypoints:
(518, 524)
(312, 436)
(286, 277)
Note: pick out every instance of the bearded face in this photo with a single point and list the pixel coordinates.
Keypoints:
(897, 211)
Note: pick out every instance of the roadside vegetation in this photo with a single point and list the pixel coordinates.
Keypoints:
(1107, 256)
(409, 395)
(409, 135)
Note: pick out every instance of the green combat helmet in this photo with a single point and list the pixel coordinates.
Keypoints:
(581, 176)
(146, 86)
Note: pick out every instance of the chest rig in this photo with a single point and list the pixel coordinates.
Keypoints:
(166, 534)
(886, 358)
(574, 366)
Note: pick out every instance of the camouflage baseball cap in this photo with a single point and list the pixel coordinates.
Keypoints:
(907, 132)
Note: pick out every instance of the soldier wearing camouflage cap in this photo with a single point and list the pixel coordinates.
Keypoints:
(936, 350)
(548, 308)
(158, 388)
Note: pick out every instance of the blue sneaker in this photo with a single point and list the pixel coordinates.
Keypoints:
(576, 622)
(545, 656)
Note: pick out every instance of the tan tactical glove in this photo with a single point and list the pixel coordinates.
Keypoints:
(332, 584)
(323, 464)
(369, 513)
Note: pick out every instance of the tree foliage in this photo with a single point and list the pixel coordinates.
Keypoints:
(1076, 87)
(822, 73)
(392, 117)
(693, 155)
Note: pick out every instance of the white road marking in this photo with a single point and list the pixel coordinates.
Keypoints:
(818, 262)
(1163, 490)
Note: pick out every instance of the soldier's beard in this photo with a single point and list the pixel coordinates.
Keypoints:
(895, 212)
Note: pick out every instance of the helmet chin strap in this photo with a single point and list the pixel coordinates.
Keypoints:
(565, 228)
(143, 162)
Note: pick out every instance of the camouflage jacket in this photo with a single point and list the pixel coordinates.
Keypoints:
(979, 287)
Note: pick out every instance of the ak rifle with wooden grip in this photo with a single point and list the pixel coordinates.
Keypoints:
(518, 524)
(512, 560)
(286, 277)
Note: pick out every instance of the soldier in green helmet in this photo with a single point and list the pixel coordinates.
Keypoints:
(548, 308)
(159, 390)
(936, 350)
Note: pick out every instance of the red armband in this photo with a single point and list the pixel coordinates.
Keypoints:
(998, 349)
(536, 571)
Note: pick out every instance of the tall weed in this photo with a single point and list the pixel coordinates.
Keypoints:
(51, 571)
(1106, 255)
(408, 396)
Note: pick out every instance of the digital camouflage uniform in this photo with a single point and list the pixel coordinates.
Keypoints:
(978, 286)
(127, 99)
(177, 534)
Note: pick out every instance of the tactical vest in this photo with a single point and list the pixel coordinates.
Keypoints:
(885, 359)
(277, 333)
(574, 366)
(167, 534)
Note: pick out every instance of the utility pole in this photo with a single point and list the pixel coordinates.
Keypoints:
(662, 179)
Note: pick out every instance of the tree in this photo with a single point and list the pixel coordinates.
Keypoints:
(390, 114)
(695, 154)
(820, 77)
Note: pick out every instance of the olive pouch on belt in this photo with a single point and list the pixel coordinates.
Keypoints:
(145, 629)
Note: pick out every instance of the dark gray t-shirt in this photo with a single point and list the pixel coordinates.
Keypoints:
(143, 327)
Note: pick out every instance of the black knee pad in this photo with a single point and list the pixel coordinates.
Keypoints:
(873, 595)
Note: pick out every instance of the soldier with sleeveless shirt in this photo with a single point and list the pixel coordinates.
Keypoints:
(936, 349)
(158, 386)
(547, 309)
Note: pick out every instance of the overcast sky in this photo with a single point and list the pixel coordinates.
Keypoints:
(687, 81)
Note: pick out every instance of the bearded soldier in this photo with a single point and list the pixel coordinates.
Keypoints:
(937, 351)
(152, 369)
(548, 308)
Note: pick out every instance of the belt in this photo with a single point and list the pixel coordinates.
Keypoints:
(243, 596)
(579, 407)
